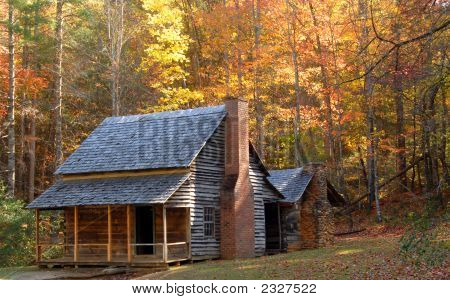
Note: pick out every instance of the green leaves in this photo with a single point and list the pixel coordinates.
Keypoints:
(16, 232)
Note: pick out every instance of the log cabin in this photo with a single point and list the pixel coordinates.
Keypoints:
(153, 189)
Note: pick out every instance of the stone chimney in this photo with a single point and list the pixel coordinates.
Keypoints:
(316, 214)
(237, 222)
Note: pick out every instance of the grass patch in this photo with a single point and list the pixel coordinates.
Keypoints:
(368, 258)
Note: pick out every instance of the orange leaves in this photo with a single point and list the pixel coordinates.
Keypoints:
(29, 82)
(352, 116)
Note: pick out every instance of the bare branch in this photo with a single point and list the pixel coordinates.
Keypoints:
(395, 45)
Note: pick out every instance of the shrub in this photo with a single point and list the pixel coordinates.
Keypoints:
(421, 243)
(16, 232)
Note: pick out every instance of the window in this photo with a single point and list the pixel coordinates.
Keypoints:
(208, 222)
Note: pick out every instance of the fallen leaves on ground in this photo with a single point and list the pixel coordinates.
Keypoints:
(368, 255)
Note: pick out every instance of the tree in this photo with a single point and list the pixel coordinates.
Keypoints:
(115, 31)
(11, 103)
(398, 97)
(370, 114)
(58, 83)
(165, 57)
(329, 142)
(259, 106)
(298, 152)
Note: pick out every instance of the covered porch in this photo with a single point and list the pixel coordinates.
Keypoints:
(132, 235)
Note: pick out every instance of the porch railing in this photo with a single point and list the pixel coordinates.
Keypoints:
(91, 253)
(58, 250)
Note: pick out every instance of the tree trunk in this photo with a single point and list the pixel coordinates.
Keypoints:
(259, 107)
(329, 140)
(238, 49)
(414, 148)
(363, 169)
(444, 133)
(340, 159)
(398, 97)
(20, 179)
(298, 149)
(375, 180)
(58, 84)
(11, 104)
(226, 60)
(32, 152)
(115, 32)
(428, 137)
(21, 175)
(444, 121)
(197, 46)
(32, 122)
(368, 103)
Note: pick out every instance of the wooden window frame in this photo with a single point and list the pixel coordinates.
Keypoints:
(211, 222)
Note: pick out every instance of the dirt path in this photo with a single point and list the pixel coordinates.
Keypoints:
(31, 273)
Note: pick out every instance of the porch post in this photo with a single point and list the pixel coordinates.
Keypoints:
(75, 233)
(188, 230)
(38, 247)
(279, 226)
(129, 233)
(164, 234)
(109, 234)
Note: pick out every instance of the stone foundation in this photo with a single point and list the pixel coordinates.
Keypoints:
(316, 215)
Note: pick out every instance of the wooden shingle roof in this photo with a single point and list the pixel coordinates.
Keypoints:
(151, 189)
(153, 141)
(292, 183)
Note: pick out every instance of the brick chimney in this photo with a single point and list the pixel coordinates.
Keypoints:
(237, 223)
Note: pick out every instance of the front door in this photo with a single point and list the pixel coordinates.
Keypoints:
(145, 229)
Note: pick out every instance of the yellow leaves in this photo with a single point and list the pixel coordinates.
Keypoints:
(177, 98)
(167, 47)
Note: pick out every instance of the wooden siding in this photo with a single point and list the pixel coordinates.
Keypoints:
(262, 193)
(206, 180)
(182, 197)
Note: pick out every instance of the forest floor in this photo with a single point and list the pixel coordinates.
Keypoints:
(370, 254)
(373, 253)
(367, 255)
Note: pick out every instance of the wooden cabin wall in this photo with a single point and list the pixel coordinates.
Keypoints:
(183, 196)
(206, 179)
(262, 193)
(93, 229)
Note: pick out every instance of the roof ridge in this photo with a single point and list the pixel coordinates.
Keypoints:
(290, 169)
(169, 114)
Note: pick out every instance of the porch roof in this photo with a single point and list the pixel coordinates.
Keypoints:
(150, 189)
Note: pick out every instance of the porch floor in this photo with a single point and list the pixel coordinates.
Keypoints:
(99, 260)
